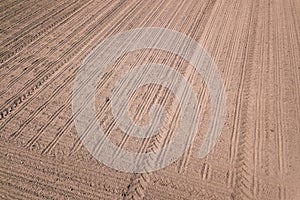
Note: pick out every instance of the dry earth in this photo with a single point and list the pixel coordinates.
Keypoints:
(254, 43)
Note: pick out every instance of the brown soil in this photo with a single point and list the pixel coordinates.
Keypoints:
(256, 46)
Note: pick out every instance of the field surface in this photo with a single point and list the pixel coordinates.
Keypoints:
(255, 45)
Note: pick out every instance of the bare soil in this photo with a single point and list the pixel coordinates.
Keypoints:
(256, 46)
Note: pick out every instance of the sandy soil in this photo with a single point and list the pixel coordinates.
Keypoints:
(256, 46)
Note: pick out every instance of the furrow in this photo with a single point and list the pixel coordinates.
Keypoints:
(54, 68)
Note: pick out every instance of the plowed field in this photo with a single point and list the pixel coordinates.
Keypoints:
(255, 45)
